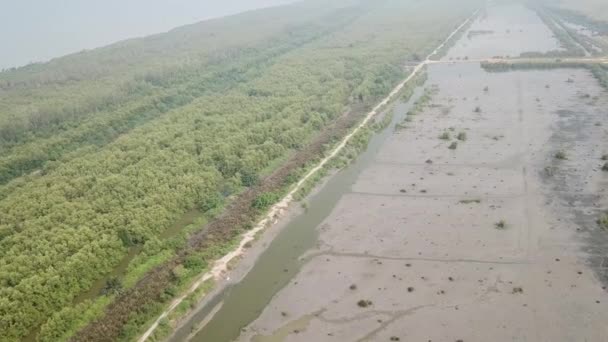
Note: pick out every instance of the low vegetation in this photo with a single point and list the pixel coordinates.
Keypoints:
(599, 71)
(469, 201)
(561, 155)
(602, 221)
(500, 225)
(363, 303)
(445, 136)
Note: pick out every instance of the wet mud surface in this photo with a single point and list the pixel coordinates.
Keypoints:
(505, 30)
(416, 252)
(493, 240)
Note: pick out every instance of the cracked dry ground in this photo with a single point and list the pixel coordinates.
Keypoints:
(436, 269)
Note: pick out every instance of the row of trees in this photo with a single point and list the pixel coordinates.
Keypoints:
(92, 114)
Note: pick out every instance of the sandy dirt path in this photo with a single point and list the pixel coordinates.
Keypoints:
(494, 240)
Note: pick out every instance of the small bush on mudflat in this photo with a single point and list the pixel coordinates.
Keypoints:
(462, 136)
(603, 221)
(469, 201)
(445, 136)
(561, 155)
(502, 224)
(605, 167)
(453, 145)
(363, 303)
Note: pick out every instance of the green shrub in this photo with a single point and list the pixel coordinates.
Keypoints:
(602, 221)
(265, 200)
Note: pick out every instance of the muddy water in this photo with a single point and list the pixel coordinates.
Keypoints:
(411, 227)
(417, 236)
(504, 30)
(417, 233)
(242, 302)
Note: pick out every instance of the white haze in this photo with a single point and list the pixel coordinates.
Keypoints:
(38, 30)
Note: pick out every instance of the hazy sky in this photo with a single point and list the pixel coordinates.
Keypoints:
(38, 30)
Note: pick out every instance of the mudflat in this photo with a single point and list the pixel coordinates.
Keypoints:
(493, 240)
